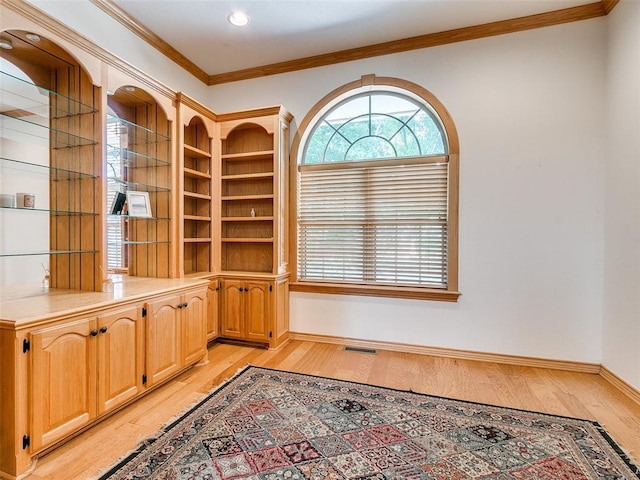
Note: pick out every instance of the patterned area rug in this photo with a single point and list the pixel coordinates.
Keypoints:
(272, 425)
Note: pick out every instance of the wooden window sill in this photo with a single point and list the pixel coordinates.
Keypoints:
(415, 293)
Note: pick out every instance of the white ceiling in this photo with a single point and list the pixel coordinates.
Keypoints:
(282, 30)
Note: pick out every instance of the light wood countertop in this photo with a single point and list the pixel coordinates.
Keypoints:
(27, 306)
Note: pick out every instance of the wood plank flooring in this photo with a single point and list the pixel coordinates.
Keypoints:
(579, 395)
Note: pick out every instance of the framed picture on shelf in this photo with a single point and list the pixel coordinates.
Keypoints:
(138, 204)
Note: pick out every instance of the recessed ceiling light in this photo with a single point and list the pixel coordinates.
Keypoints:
(238, 19)
(34, 37)
(6, 44)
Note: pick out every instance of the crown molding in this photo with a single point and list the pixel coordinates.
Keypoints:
(556, 17)
(151, 38)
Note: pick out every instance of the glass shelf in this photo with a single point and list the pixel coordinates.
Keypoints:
(15, 98)
(131, 133)
(54, 173)
(129, 217)
(127, 242)
(43, 135)
(135, 159)
(51, 252)
(139, 187)
(50, 211)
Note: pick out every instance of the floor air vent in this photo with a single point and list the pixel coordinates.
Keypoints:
(360, 350)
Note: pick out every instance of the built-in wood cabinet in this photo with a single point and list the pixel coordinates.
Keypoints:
(51, 139)
(253, 190)
(196, 160)
(176, 334)
(81, 369)
(245, 308)
(63, 379)
(68, 359)
(121, 345)
(251, 309)
(254, 155)
(139, 165)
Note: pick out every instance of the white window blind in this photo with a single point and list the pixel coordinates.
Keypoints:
(374, 222)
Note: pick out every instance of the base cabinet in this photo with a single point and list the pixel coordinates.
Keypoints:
(250, 310)
(176, 334)
(63, 380)
(82, 369)
(65, 370)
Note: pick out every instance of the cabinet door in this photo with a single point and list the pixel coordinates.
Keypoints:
(194, 327)
(62, 380)
(257, 310)
(231, 321)
(213, 294)
(120, 357)
(163, 338)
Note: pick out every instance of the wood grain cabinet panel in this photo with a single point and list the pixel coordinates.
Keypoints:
(120, 357)
(257, 308)
(176, 333)
(163, 338)
(193, 329)
(63, 380)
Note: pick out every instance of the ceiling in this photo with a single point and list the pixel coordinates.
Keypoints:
(289, 30)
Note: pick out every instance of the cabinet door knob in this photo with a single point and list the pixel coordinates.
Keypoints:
(104, 329)
(185, 304)
(239, 289)
(94, 332)
(180, 305)
(246, 289)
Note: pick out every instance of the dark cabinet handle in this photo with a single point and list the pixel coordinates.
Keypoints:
(246, 289)
(181, 305)
(239, 289)
(94, 333)
(103, 329)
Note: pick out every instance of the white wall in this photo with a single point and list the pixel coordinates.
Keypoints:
(621, 346)
(529, 110)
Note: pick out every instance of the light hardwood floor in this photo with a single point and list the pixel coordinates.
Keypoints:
(557, 392)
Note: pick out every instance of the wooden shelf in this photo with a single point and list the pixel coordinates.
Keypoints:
(248, 219)
(247, 197)
(247, 155)
(197, 218)
(197, 240)
(189, 172)
(197, 195)
(196, 152)
(248, 176)
(247, 240)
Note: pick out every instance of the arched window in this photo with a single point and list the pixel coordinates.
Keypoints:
(376, 175)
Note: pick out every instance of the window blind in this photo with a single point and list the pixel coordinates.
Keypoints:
(377, 222)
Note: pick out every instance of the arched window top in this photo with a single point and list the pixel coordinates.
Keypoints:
(372, 125)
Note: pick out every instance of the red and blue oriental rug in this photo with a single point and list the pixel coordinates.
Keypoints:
(272, 425)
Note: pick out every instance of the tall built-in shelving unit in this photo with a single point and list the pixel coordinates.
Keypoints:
(254, 291)
(198, 129)
(139, 158)
(254, 149)
(51, 146)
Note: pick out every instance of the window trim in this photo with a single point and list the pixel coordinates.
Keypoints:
(372, 82)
